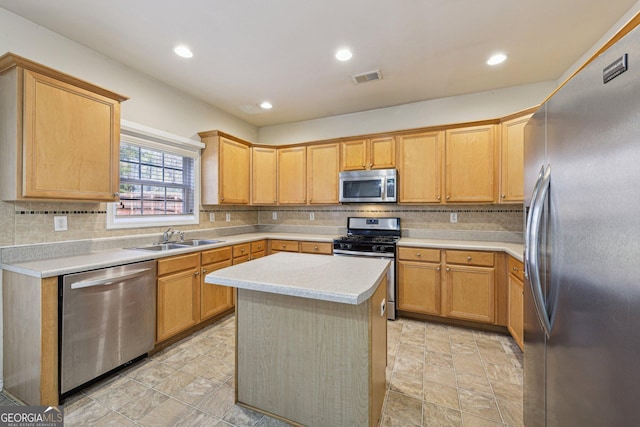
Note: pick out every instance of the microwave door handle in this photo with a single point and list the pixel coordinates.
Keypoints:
(383, 193)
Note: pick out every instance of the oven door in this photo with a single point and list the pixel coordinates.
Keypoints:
(391, 276)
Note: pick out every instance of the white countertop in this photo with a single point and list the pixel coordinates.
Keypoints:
(349, 280)
(58, 266)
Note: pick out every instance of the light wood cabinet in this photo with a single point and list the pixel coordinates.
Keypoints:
(225, 169)
(284, 246)
(59, 136)
(258, 249)
(369, 153)
(264, 176)
(214, 299)
(515, 320)
(178, 295)
(470, 164)
(322, 248)
(512, 159)
(241, 253)
(292, 175)
(420, 167)
(419, 280)
(469, 286)
(323, 167)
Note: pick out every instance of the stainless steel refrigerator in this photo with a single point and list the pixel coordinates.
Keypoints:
(582, 248)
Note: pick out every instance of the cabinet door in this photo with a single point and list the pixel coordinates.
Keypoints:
(234, 172)
(323, 167)
(420, 167)
(354, 155)
(470, 165)
(292, 183)
(178, 302)
(382, 153)
(320, 248)
(515, 321)
(512, 160)
(419, 287)
(264, 176)
(469, 293)
(214, 298)
(71, 141)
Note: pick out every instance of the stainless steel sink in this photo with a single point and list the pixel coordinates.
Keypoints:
(199, 242)
(163, 247)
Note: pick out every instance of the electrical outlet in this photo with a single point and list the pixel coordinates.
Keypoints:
(453, 217)
(228, 216)
(274, 215)
(212, 217)
(60, 223)
(312, 216)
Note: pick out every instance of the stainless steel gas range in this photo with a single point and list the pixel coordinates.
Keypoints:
(373, 237)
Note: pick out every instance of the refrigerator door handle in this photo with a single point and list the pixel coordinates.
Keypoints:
(536, 212)
(534, 196)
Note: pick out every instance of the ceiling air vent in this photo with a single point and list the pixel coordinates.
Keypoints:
(367, 77)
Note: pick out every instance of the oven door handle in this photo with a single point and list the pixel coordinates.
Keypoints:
(106, 281)
(342, 252)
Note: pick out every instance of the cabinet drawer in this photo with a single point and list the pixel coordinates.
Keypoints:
(258, 246)
(316, 248)
(419, 254)
(178, 263)
(516, 268)
(285, 245)
(485, 259)
(241, 250)
(216, 255)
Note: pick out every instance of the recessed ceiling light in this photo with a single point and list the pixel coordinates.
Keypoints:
(496, 59)
(183, 51)
(343, 55)
(266, 105)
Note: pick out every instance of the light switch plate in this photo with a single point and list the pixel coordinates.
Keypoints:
(60, 223)
(274, 215)
(312, 216)
(453, 217)
(212, 217)
(228, 216)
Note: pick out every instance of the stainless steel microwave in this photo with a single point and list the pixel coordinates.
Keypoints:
(370, 186)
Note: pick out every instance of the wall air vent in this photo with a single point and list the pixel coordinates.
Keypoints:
(367, 77)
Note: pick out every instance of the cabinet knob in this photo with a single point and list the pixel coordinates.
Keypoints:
(242, 250)
(448, 269)
(364, 166)
(448, 197)
(370, 165)
(315, 248)
(438, 268)
(197, 273)
(515, 269)
(204, 271)
(221, 199)
(418, 254)
(468, 258)
(502, 195)
(284, 245)
(116, 194)
(438, 198)
(259, 246)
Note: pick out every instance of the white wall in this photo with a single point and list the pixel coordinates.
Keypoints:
(457, 109)
(151, 103)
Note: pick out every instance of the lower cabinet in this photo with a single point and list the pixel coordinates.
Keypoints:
(284, 246)
(465, 288)
(214, 299)
(258, 249)
(419, 280)
(241, 253)
(178, 295)
(515, 319)
(316, 248)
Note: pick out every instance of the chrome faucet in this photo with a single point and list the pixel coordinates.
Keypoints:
(167, 235)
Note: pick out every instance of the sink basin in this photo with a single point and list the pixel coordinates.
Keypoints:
(199, 242)
(163, 247)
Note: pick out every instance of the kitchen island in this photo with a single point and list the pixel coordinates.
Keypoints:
(310, 337)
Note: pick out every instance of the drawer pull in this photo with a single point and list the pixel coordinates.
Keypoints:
(197, 273)
(204, 271)
(242, 250)
(448, 269)
(438, 268)
(468, 258)
(284, 245)
(515, 269)
(315, 248)
(418, 254)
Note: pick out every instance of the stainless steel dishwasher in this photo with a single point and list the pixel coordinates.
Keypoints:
(107, 318)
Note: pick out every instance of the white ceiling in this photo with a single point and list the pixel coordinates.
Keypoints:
(247, 51)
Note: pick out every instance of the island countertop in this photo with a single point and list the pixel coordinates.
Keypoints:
(349, 280)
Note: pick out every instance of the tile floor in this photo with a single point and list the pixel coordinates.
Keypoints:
(438, 375)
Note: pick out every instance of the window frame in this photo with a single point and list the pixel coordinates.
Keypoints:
(143, 136)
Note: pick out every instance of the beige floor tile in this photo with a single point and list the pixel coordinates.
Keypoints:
(406, 384)
(387, 421)
(119, 393)
(152, 373)
(113, 419)
(410, 351)
(495, 357)
(219, 402)
(468, 365)
(271, 422)
(437, 346)
(441, 395)
(180, 359)
(434, 358)
(241, 416)
(507, 391)
(468, 349)
(403, 408)
(512, 412)
(143, 403)
(439, 416)
(90, 414)
(197, 418)
(440, 375)
(413, 339)
(167, 414)
(475, 421)
(482, 405)
(475, 383)
(509, 374)
(409, 366)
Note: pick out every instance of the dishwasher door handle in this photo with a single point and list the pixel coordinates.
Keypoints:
(106, 281)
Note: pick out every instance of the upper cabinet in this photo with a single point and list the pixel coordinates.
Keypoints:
(323, 167)
(470, 164)
(292, 174)
(59, 136)
(264, 173)
(225, 169)
(420, 167)
(512, 159)
(370, 153)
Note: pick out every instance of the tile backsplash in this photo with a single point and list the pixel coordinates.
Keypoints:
(32, 222)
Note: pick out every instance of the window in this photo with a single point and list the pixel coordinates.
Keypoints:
(159, 179)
